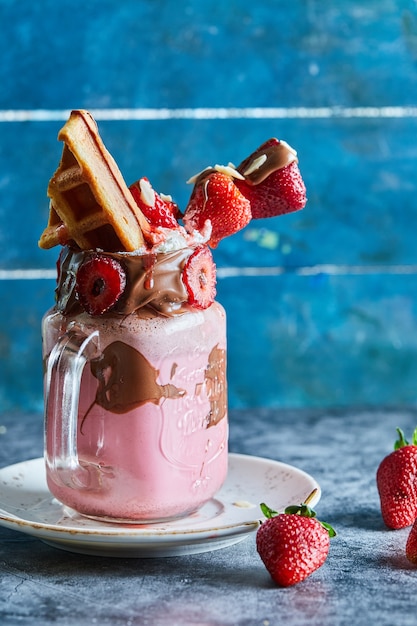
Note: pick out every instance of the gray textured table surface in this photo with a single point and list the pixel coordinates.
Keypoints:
(365, 580)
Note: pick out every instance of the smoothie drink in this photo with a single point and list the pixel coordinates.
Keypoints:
(151, 424)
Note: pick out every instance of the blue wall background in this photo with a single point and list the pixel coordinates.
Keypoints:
(322, 304)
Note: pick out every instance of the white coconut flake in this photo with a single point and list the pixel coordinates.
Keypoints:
(255, 165)
(287, 145)
(147, 194)
(193, 179)
(243, 504)
(229, 170)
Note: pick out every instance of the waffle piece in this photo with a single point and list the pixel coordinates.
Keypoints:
(90, 203)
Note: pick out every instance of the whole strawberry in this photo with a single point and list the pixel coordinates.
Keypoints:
(215, 197)
(396, 480)
(293, 544)
(411, 545)
(159, 210)
(272, 181)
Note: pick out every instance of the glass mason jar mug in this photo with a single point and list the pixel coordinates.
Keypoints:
(136, 422)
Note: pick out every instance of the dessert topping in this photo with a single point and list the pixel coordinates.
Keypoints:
(100, 282)
(92, 209)
(159, 210)
(199, 277)
(215, 197)
(273, 183)
(90, 204)
(271, 156)
(154, 282)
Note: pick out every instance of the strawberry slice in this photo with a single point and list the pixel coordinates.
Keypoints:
(100, 282)
(273, 183)
(158, 210)
(199, 277)
(215, 197)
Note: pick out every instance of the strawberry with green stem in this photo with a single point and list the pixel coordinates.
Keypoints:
(397, 483)
(293, 544)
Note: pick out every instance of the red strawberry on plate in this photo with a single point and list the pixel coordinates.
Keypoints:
(100, 282)
(272, 180)
(199, 277)
(215, 197)
(159, 210)
(293, 544)
(397, 483)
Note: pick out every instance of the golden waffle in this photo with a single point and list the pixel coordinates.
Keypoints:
(90, 202)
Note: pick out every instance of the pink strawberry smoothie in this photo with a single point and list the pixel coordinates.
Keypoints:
(152, 414)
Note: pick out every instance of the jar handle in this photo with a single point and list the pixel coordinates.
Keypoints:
(62, 392)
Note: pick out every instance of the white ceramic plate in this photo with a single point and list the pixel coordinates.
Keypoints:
(26, 505)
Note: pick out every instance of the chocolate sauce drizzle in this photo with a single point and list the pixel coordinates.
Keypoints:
(126, 380)
(152, 280)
